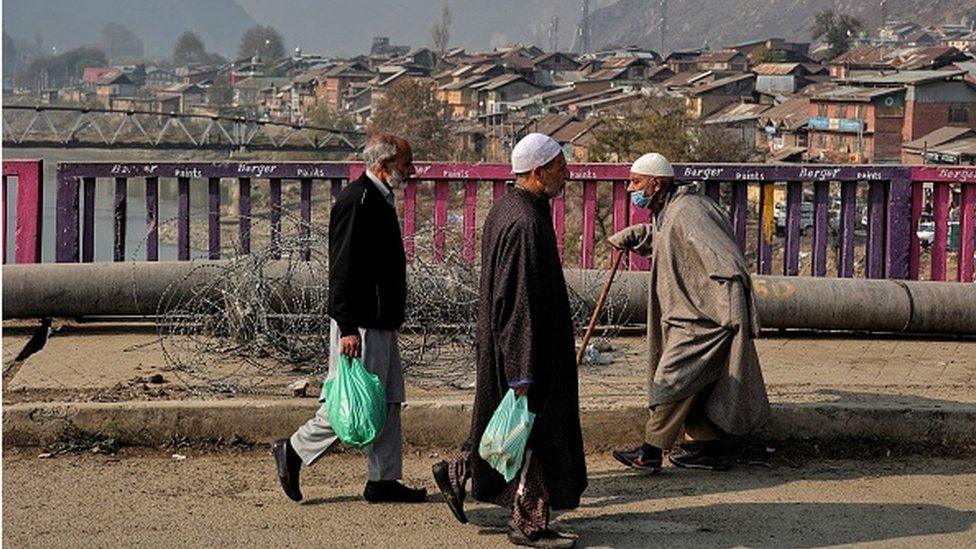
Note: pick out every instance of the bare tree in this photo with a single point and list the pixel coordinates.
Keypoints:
(440, 32)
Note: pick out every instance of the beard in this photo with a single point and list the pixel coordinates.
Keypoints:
(395, 179)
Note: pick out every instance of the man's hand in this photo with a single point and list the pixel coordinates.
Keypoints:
(629, 237)
(350, 346)
(522, 390)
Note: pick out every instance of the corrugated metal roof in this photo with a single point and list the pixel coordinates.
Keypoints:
(791, 114)
(960, 147)
(776, 69)
(904, 77)
(942, 135)
(855, 93)
(721, 82)
(737, 112)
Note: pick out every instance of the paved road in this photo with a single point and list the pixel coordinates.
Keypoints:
(231, 499)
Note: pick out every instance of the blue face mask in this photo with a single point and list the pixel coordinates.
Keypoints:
(640, 200)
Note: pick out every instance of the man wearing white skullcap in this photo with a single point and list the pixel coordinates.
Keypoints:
(704, 376)
(525, 344)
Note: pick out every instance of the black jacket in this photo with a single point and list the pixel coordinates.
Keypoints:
(367, 264)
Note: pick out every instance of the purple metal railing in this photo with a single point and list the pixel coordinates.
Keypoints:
(894, 197)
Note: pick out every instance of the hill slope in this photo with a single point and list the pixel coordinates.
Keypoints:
(65, 24)
(725, 22)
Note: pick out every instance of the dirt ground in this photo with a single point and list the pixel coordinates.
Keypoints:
(230, 498)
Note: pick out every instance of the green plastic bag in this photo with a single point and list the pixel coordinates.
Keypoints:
(503, 443)
(356, 402)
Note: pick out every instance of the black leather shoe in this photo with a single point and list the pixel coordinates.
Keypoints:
(392, 491)
(643, 458)
(706, 456)
(548, 540)
(454, 499)
(288, 464)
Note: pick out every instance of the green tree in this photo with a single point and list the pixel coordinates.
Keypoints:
(324, 117)
(262, 41)
(765, 55)
(837, 31)
(61, 70)
(189, 48)
(410, 110)
(118, 41)
(661, 124)
(221, 93)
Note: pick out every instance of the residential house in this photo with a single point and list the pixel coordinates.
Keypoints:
(158, 78)
(856, 124)
(783, 128)
(722, 61)
(738, 122)
(556, 62)
(877, 58)
(786, 77)
(113, 84)
(965, 42)
(91, 75)
(933, 99)
(460, 97)
(250, 94)
(687, 80)
(185, 94)
(682, 61)
(946, 145)
(774, 48)
(493, 95)
(338, 79)
(707, 99)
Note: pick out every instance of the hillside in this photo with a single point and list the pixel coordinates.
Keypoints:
(65, 24)
(725, 22)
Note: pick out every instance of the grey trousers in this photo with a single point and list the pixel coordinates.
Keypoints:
(381, 356)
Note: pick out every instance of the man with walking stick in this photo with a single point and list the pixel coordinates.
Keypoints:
(703, 370)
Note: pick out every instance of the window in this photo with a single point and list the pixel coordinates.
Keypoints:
(822, 110)
(958, 114)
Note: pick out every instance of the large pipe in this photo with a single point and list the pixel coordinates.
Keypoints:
(891, 306)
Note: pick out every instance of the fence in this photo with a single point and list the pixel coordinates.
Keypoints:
(821, 200)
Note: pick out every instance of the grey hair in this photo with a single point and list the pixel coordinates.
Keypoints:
(378, 151)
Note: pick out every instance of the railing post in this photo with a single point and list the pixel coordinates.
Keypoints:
(589, 224)
(900, 231)
(28, 223)
(876, 230)
(967, 232)
(915, 246)
(305, 205)
(740, 210)
(821, 196)
(88, 220)
(940, 214)
(441, 197)
(470, 212)
(152, 218)
(766, 228)
(275, 187)
(183, 219)
(66, 245)
(119, 219)
(621, 209)
(848, 210)
(244, 215)
(213, 221)
(791, 252)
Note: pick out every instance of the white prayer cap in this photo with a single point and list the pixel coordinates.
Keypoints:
(653, 164)
(532, 151)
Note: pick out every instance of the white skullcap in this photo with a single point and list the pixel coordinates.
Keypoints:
(653, 164)
(532, 151)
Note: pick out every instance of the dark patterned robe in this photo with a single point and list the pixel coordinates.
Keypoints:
(525, 332)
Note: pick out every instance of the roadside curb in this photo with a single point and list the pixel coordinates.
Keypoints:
(444, 424)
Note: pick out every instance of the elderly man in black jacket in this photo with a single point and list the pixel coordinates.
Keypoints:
(367, 298)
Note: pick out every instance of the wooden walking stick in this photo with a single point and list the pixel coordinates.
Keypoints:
(599, 306)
